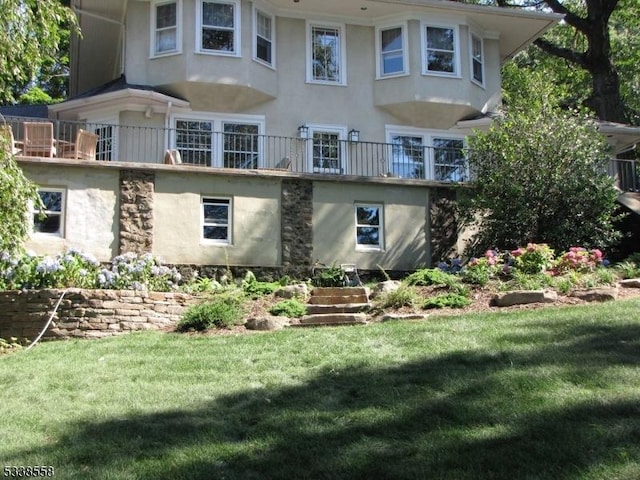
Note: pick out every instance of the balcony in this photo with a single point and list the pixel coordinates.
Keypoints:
(245, 149)
(248, 150)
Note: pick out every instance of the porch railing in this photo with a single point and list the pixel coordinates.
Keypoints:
(248, 150)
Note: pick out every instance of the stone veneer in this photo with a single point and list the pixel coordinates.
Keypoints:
(297, 226)
(136, 211)
(88, 313)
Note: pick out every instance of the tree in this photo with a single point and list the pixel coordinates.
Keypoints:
(541, 176)
(34, 33)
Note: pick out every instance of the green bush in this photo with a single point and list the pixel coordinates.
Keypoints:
(223, 311)
(446, 300)
(404, 296)
(255, 289)
(431, 276)
(628, 269)
(289, 308)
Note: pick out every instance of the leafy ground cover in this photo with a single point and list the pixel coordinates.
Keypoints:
(529, 394)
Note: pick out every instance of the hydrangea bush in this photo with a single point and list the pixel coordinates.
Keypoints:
(76, 269)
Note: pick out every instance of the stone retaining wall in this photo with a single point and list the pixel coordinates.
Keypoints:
(88, 313)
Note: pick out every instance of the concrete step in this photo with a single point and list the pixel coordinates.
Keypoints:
(314, 309)
(333, 319)
(337, 291)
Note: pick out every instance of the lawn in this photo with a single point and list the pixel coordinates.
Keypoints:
(537, 394)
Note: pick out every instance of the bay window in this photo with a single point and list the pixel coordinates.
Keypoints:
(219, 27)
(165, 19)
(440, 50)
(391, 48)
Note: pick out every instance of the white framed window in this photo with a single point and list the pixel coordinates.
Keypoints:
(440, 50)
(264, 38)
(216, 215)
(327, 148)
(218, 29)
(369, 226)
(49, 221)
(166, 31)
(477, 59)
(233, 141)
(427, 154)
(391, 49)
(326, 54)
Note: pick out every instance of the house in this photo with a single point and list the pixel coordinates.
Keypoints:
(306, 130)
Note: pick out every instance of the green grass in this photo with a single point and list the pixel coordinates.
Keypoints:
(537, 394)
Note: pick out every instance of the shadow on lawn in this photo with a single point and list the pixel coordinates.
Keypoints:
(456, 416)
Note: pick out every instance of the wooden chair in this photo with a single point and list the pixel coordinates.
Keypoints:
(172, 157)
(84, 148)
(38, 139)
(8, 141)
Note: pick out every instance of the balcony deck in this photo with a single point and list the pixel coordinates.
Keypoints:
(242, 151)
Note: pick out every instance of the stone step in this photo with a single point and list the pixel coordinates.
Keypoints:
(314, 309)
(333, 319)
(338, 299)
(337, 291)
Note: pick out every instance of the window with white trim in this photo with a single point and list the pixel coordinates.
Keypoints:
(369, 226)
(229, 142)
(216, 220)
(49, 220)
(391, 48)
(219, 27)
(166, 32)
(425, 154)
(264, 38)
(327, 149)
(477, 59)
(440, 47)
(326, 54)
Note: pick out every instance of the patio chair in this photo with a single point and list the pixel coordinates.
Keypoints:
(283, 165)
(38, 139)
(9, 143)
(172, 157)
(84, 148)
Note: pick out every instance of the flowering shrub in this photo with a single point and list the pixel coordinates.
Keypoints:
(76, 269)
(138, 272)
(535, 258)
(580, 259)
(480, 270)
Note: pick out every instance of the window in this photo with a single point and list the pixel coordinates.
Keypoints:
(391, 46)
(441, 46)
(50, 220)
(326, 54)
(264, 38)
(369, 227)
(232, 141)
(216, 220)
(194, 140)
(449, 162)
(477, 59)
(219, 27)
(166, 31)
(429, 155)
(240, 148)
(407, 156)
(327, 149)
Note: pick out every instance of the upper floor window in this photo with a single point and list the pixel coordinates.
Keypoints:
(264, 34)
(166, 28)
(50, 220)
(440, 50)
(477, 59)
(326, 54)
(219, 26)
(391, 51)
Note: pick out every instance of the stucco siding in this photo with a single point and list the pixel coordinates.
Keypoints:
(405, 212)
(255, 219)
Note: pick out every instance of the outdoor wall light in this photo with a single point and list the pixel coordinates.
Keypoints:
(354, 135)
(303, 132)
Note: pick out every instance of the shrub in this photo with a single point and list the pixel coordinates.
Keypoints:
(255, 289)
(535, 258)
(527, 281)
(138, 272)
(580, 259)
(223, 311)
(329, 277)
(446, 300)
(291, 308)
(628, 269)
(428, 276)
(404, 296)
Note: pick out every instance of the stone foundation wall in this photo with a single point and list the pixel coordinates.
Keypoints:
(88, 313)
(297, 225)
(136, 211)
